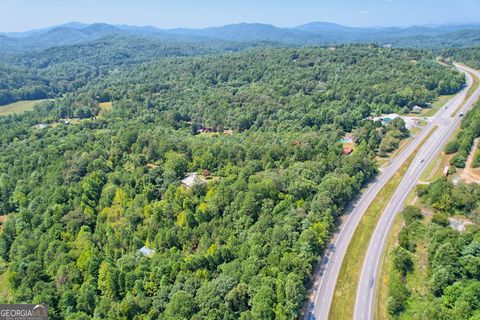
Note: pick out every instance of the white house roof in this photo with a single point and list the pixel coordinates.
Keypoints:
(386, 117)
(146, 252)
(391, 116)
(192, 179)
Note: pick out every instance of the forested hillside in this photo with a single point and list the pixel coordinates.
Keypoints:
(51, 72)
(283, 89)
(311, 34)
(82, 198)
(469, 56)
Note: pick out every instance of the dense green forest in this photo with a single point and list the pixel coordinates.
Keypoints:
(282, 89)
(469, 56)
(449, 287)
(38, 74)
(459, 40)
(81, 199)
(51, 72)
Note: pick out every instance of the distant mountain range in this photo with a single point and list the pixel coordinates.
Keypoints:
(316, 33)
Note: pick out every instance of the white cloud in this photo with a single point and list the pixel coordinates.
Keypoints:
(363, 12)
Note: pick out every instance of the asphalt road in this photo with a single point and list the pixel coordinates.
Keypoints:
(326, 275)
(365, 300)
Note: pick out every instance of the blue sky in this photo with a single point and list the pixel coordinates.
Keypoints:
(20, 15)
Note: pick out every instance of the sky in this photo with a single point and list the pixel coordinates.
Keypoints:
(21, 15)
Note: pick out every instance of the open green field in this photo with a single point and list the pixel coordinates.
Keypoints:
(19, 106)
(347, 282)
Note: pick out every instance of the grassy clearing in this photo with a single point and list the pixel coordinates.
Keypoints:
(423, 123)
(414, 131)
(19, 106)
(346, 287)
(5, 293)
(105, 105)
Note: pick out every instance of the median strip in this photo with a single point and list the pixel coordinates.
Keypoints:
(347, 281)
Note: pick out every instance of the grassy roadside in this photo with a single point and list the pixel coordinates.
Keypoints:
(417, 279)
(19, 106)
(436, 105)
(5, 293)
(436, 167)
(475, 85)
(385, 161)
(381, 293)
(430, 112)
(346, 287)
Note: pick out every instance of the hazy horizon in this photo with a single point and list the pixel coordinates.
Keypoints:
(24, 15)
(241, 22)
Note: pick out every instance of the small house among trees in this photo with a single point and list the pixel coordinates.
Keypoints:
(386, 118)
(416, 109)
(192, 179)
(347, 150)
(146, 252)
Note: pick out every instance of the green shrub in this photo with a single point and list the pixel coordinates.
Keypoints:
(476, 160)
(440, 219)
(402, 260)
(452, 147)
(398, 294)
(459, 160)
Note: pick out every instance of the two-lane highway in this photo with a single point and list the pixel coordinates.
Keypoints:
(326, 275)
(447, 124)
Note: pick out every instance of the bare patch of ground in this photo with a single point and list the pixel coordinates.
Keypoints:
(469, 174)
(459, 223)
(2, 221)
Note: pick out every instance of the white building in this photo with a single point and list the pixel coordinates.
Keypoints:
(387, 118)
(192, 179)
(146, 252)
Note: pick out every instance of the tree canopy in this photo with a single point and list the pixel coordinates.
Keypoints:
(83, 197)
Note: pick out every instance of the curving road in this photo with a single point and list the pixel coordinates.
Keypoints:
(326, 275)
(447, 124)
